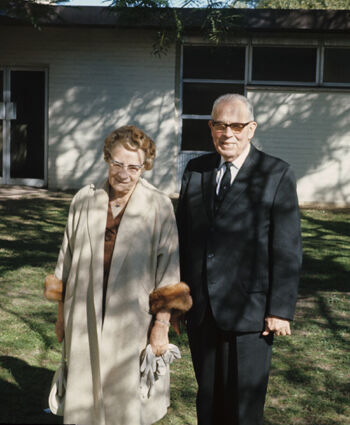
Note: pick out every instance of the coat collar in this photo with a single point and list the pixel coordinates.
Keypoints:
(129, 228)
(131, 225)
(97, 219)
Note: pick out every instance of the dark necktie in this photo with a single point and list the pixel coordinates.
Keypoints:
(225, 182)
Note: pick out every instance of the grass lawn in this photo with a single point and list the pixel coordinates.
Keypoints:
(310, 376)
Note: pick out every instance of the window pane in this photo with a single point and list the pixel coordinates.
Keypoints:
(27, 130)
(294, 64)
(196, 136)
(198, 98)
(336, 65)
(226, 63)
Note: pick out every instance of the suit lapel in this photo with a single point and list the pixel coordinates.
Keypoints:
(209, 184)
(241, 182)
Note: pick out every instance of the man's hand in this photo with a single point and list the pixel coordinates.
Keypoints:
(277, 326)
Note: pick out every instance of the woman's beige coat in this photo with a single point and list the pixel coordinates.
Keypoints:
(103, 361)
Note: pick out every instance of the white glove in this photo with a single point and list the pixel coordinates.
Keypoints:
(152, 367)
(167, 358)
(147, 369)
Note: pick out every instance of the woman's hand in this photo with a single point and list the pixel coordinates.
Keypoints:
(159, 339)
(60, 323)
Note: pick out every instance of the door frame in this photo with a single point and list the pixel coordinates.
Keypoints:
(5, 179)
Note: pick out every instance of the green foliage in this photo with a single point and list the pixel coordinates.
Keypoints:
(303, 4)
(29, 10)
(139, 3)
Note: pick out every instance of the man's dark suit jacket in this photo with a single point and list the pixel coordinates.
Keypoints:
(246, 257)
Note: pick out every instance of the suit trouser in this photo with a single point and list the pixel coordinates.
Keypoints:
(232, 372)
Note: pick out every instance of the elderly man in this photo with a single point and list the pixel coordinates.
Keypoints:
(240, 249)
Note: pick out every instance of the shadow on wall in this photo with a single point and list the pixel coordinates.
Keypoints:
(310, 131)
(84, 116)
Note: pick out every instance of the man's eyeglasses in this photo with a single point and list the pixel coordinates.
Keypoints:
(236, 127)
(132, 169)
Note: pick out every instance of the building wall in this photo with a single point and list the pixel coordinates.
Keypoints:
(98, 80)
(303, 118)
(310, 130)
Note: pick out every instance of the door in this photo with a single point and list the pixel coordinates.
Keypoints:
(23, 125)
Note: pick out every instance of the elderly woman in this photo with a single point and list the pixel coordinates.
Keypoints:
(120, 247)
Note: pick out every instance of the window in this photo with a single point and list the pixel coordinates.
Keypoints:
(208, 72)
(284, 64)
(198, 98)
(196, 135)
(336, 65)
(225, 63)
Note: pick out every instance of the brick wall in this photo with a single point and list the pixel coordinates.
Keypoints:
(98, 79)
(310, 130)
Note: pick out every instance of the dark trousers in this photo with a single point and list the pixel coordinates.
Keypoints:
(232, 372)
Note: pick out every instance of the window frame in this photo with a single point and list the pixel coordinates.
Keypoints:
(183, 116)
(285, 83)
(322, 53)
(248, 83)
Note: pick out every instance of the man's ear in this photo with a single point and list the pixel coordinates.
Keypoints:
(251, 129)
(210, 124)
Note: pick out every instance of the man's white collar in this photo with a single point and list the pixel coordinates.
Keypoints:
(239, 161)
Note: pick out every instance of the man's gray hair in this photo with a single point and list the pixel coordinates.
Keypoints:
(232, 98)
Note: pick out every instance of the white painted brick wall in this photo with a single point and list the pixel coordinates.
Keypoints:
(99, 79)
(311, 131)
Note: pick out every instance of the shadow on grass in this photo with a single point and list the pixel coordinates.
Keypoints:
(322, 269)
(322, 241)
(308, 382)
(33, 232)
(311, 394)
(25, 400)
(37, 323)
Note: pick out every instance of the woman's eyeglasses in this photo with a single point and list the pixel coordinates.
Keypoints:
(132, 169)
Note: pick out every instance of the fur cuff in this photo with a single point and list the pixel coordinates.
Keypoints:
(53, 289)
(176, 298)
(171, 297)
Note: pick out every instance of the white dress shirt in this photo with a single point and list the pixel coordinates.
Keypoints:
(235, 167)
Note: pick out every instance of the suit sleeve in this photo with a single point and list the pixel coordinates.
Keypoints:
(181, 217)
(285, 249)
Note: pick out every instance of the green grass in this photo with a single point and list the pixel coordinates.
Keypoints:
(310, 374)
